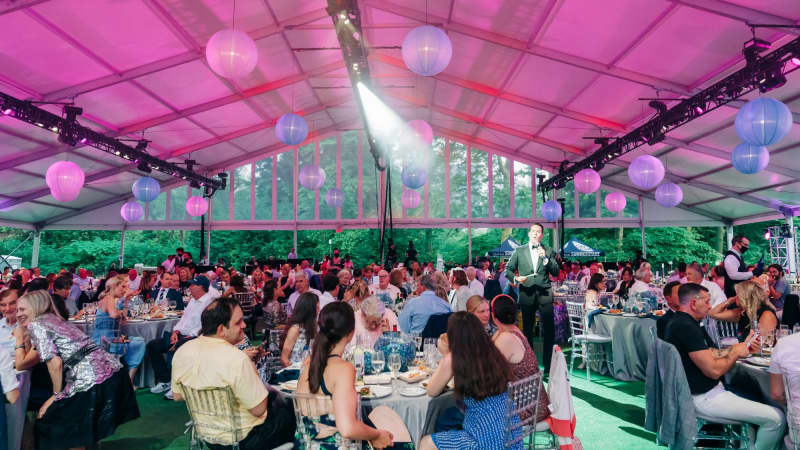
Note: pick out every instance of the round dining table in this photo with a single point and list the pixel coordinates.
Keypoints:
(630, 342)
(411, 409)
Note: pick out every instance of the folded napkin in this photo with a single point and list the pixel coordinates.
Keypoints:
(383, 378)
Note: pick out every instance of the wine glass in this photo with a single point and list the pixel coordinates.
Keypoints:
(783, 331)
(394, 364)
(172, 305)
(767, 342)
(378, 361)
(796, 329)
(417, 341)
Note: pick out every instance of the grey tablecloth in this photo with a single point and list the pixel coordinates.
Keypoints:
(751, 381)
(630, 341)
(411, 409)
(147, 330)
(438, 405)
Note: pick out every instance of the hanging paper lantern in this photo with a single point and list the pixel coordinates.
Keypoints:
(422, 130)
(410, 199)
(763, 121)
(669, 194)
(231, 53)
(615, 201)
(414, 176)
(551, 210)
(196, 206)
(65, 180)
(146, 189)
(646, 172)
(587, 181)
(131, 211)
(427, 50)
(749, 159)
(312, 177)
(291, 129)
(334, 198)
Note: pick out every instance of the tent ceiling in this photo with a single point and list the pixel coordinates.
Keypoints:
(528, 78)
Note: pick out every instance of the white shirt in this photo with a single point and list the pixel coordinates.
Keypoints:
(715, 292)
(215, 293)
(732, 268)
(8, 375)
(7, 339)
(324, 299)
(476, 287)
(134, 285)
(293, 298)
(786, 361)
(189, 325)
(534, 257)
(391, 291)
(637, 287)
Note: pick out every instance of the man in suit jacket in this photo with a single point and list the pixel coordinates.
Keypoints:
(168, 290)
(534, 262)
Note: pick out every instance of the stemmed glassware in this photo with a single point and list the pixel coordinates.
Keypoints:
(394, 364)
(378, 361)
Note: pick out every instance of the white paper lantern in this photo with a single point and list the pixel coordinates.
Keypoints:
(231, 53)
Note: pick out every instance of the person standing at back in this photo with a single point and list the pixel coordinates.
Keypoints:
(735, 268)
(535, 263)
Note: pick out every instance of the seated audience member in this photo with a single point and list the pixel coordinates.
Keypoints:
(345, 280)
(694, 274)
(417, 310)
(596, 286)
(472, 282)
(61, 288)
(786, 364)
(750, 305)
(168, 291)
(625, 283)
(705, 365)
(330, 286)
(356, 294)
(265, 419)
(481, 375)
(85, 378)
(327, 373)
(236, 286)
(778, 287)
(396, 279)
(642, 284)
(109, 319)
(372, 320)
(387, 292)
(592, 269)
(300, 330)
(270, 308)
(679, 274)
(674, 305)
(187, 328)
(458, 295)
(301, 286)
(480, 307)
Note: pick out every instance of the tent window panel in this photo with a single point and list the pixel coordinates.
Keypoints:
(539, 195)
(436, 181)
(349, 149)
(242, 178)
(305, 197)
(397, 187)
(220, 206)
(158, 207)
(631, 207)
(458, 180)
(285, 183)
(501, 183)
(522, 190)
(369, 183)
(192, 193)
(177, 203)
(327, 161)
(605, 212)
(588, 205)
(568, 193)
(263, 200)
(480, 183)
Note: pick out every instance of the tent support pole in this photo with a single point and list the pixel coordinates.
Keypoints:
(122, 248)
(37, 240)
(792, 246)
(469, 242)
(641, 227)
(729, 234)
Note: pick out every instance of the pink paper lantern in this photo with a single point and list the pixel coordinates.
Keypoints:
(410, 199)
(131, 211)
(312, 177)
(231, 53)
(587, 181)
(65, 180)
(615, 201)
(422, 130)
(427, 50)
(334, 198)
(196, 206)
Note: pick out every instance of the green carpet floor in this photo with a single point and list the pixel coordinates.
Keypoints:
(610, 415)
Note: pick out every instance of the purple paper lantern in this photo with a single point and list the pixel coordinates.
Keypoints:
(749, 159)
(196, 206)
(231, 53)
(587, 181)
(669, 194)
(146, 189)
(131, 211)
(427, 50)
(422, 130)
(646, 172)
(65, 180)
(291, 129)
(414, 176)
(615, 201)
(763, 121)
(551, 210)
(410, 199)
(312, 177)
(334, 197)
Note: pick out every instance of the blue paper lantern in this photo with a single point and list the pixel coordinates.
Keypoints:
(131, 211)
(146, 189)
(312, 177)
(669, 194)
(291, 129)
(749, 159)
(414, 176)
(427, 50)
(646, 172)
(551, 210)
(763, 121)
(334, 197)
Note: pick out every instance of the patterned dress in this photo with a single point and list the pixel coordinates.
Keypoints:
(525, 368)
(483, 428)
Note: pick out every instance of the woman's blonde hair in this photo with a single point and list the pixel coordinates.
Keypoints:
(112, 284)
(474, 302)
(40, 303)
(751, 297)
(360, 290)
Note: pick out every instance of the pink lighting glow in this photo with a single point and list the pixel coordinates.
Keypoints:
(796, 61)
(7, 111)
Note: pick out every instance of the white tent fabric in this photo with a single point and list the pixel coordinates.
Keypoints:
(528, 80)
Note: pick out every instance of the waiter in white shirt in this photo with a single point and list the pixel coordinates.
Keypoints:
(735, 268)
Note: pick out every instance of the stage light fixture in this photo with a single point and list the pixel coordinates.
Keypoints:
(772, 78)
(658, 106)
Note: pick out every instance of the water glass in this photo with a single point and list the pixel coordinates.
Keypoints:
(783, 331)
(172, 305)
(417, 341)
(796, 329)
(394, 364)
(378, 361)
(767, 342)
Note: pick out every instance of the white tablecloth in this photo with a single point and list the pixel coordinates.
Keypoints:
(411, 409)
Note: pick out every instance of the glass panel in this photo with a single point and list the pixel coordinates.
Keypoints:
(192, 193)
(568, 194)
(305, 197)
(522, 190)
(397, 187)
(263, 189)
(327, 160)
(605, 212)
(242, 178)
(588, 205)
(158, 207)
(436, 180)
(480, 183)
(502, 186)
(349, 146)
(631, 207)
(221, 204)
(177, 203)
(285, 183)
(458, 180)
(369, 184)
(539, 195)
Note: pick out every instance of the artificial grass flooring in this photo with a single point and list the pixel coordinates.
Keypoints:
(610, 415)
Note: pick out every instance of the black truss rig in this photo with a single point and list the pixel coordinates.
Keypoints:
(70, 132)
(763, 73)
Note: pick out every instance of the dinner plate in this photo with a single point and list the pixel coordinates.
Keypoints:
(135, 320)
(629, 315)
(412, 391)
(78, 320)
(758, 361)
(376, 391)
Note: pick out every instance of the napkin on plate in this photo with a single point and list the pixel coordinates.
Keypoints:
(382, 378)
